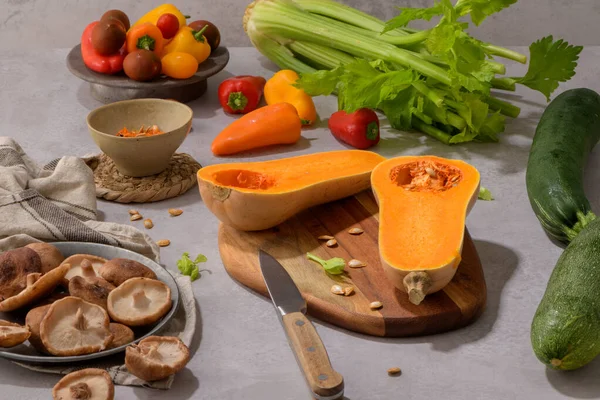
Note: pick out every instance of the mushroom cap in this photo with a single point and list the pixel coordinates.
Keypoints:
(50, 256)
(156, 357)
(122, 335)
(12, 334)
(76, 261)
(37, 288)
(73, 327)
(118, 270)
(139, 301)
(95, 290)
(85, 384)
(33, 321)
(15, 265)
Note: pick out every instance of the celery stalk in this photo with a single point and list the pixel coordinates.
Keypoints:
(324, 56)
(344, 13)
(431, 131)
(504, 84)
(505, 53)
(280, 55)
(283, 21)
(504, 107)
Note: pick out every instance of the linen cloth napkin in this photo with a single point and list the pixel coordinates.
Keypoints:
(57, 202)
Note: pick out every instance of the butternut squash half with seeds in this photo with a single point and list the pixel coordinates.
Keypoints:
(423, 204)
(260, 195)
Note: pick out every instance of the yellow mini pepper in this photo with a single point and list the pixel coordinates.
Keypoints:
(280, 89)
(152, 16)
(189, 41)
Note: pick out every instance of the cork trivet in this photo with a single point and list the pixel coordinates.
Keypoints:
(178, 178)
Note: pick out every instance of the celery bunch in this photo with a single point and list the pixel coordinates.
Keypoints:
(437, 81)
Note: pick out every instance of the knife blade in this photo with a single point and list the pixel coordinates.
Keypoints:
(311, 355)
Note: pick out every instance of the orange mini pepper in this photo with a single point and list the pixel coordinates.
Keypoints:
(145, 36)
(280, 89)
(273, 124)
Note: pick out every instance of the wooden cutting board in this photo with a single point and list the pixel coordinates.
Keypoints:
(458, 304)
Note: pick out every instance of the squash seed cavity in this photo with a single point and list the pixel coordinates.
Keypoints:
(426, 176)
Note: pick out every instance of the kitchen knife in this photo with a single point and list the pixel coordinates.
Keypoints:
(324, 382)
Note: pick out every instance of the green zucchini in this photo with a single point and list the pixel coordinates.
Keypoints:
(566, 134)
(565, 332)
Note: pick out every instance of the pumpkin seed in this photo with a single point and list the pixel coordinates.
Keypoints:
(325, 237)
(175, 212)
(331, 243)
(337, 289)
(394, 371)
(348, 290)
(355, 231)
(148, 224)
(376, 305)
(135, 217)
(163, 242)
(354, 263)
(133, 212)
(430, 172)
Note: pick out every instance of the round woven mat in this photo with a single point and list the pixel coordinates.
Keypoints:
(178, 178)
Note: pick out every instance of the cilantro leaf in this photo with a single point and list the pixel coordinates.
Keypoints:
(333, 266)
(551, 62)
(485, 194)
(189, 267)
(481, 9)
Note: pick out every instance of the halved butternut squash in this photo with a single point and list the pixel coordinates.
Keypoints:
(423, 204)
(260, 195)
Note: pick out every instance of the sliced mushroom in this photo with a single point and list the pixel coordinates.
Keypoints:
(15, 265)
(84, 265)
(74, 327)
(156, 357)
(118, 270)
(139, 301)
(37, 288)
(33, 321)
(50, 256)
(122, 335)
(95, 290)
(85, 384)
(12, 334)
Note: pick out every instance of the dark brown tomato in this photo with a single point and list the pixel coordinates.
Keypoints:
(108, 36)
(118, 15)
(212, 34)
(142, 65)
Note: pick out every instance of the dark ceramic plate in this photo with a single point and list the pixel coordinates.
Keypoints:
(25, 352)
(111, 88)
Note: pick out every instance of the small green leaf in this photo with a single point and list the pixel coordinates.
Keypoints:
(481, 9)
(550, 63)
(333, 266)
(408, 14)
(189, 267)
(485, 194)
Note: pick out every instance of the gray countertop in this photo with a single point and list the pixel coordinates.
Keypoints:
(240, 351)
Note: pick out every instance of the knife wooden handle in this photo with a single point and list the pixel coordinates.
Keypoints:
(312, 357)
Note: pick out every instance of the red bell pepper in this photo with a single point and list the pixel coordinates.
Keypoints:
(359, 129)
(241, 94)
(97, 62)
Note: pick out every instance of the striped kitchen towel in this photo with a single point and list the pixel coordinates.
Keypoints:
(57, 202)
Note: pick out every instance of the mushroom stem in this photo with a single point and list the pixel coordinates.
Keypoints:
(32, 278)
(80, 391)
(139, 299)
(417, 284)
(79, 320)
(87, 269)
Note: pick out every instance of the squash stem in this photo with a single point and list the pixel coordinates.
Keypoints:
(583, 220)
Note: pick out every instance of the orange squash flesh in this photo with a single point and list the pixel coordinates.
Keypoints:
(260, 195)
(423, 205)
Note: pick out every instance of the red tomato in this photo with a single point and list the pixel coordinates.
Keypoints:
(168, 25)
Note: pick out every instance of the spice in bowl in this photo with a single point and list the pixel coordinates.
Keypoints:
(142, 132)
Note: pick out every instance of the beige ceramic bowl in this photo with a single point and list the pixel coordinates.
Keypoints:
(141, 156)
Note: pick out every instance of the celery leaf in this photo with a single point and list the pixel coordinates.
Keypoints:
(408, 14)
(481, 9)
(319, 83)
(551, 62)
